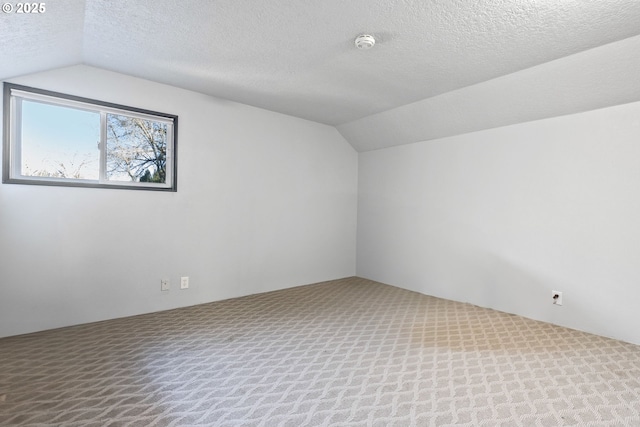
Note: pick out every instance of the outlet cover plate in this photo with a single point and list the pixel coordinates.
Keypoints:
(184, 282)
(556, 301)
(164, 284)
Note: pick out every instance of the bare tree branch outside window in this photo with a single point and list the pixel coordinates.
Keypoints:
(136, 149)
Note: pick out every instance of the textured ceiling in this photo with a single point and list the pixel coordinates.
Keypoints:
(298, 58)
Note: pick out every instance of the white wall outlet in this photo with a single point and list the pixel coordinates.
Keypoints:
(164, 284)
(557, 297)
(184, 282)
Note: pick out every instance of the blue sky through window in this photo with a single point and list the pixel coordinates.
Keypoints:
(59, 141)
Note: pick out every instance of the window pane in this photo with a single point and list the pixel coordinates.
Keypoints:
(58, 139)
(59, 142)
(136, 149)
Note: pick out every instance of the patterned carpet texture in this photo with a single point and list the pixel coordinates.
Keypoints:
(349, 352)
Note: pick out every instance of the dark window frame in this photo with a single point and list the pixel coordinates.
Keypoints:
(8, 168)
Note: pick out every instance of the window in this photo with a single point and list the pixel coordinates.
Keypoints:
(56, 139)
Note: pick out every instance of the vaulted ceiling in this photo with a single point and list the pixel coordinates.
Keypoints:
(439, 67)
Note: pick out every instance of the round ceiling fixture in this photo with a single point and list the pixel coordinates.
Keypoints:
(365, 41)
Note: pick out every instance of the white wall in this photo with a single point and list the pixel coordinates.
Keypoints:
(499, 218)
(264, 201)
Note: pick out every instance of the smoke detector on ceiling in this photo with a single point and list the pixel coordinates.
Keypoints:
(365, 41)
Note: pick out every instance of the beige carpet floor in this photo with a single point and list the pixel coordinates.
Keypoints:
(349, 352)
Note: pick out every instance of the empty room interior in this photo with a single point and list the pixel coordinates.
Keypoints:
(320, 213)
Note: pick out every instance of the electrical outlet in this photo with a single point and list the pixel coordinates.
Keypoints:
(184, 282)
(557, 297)
(164, 284)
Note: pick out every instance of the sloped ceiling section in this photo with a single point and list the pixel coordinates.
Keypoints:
(32, 42)
(439, 67)
(597, 78)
